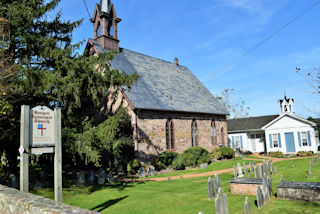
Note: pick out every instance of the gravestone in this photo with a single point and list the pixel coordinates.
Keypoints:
(81, 178)
(204, 166)
(168, 179)
(92, 178)
(151, 170)
(181, 177)
(37, 184)
(13, 181)
(210, 188)
(246, 206)
(240, 174)
(110, 177)
(292, 165)
(101, 176)
(251, 166)
(270, 167)
(255, 164)
(260, 199)
(217, 184)
(274, 170)
(282, 179)
(261, 171)
(265, 189)
(142, 172)
(256, 172)
(221, 202)
(234, 171)
(245, 168)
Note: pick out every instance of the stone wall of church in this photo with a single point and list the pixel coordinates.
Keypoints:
(151, 132)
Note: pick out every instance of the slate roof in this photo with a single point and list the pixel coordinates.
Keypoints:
(163, 85)
(249, 123)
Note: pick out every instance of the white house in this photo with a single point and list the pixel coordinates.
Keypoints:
(286, 132)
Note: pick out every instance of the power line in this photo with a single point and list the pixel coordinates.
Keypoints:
(85, 4)
(268, 38)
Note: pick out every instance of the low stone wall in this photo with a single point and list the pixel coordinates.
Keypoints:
(13, 201)
(247, 186)
(305, 191)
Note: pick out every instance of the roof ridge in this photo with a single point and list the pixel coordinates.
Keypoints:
(153, 57)
(254, 117)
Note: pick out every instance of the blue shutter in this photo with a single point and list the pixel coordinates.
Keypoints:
(299, 139)
(241, 143)
(270, 140)
(279, 139)
(233, 142)
(309, 138)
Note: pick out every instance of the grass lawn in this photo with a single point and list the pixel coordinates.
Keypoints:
(218, 165)
(185, 196)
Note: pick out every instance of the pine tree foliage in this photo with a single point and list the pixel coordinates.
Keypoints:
(39, 65)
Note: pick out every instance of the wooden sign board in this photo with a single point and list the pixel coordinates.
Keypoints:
(41, 127)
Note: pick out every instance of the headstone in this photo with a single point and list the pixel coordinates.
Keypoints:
(181, 177)
(240, 174)
(37, 184)
(200, 212)
(221, 202)
(274, 170)
(151, 170)
(246, 206)
(168, 179)
(251, 166)
(142, 172)
(13, 181)
(101, 176)
(110, 177)
(81, 178)
(245, 168)
(261, 171)
(260, 199)
(217, 184)
(235, 172)
(210, 188)
(256, 172)
(292, 165)
(92, 178)
(266, 194)
(255, 164)
(204, 166)
(282, 179)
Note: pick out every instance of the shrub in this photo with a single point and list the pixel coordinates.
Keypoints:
(133, 166)
(164, 160)
(247, 153)
(227, 152)
(276, 154)
(177, 163)
(216, 153)
(305, 154)
(195, 156)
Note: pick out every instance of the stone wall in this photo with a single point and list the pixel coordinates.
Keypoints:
(306, 191)
(13, 201)
(151, 131)
(247, 186)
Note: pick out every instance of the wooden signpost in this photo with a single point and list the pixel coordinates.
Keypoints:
(40, 130)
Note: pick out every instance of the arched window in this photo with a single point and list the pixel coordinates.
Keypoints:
(213, 133)
(99, 30)
(194, 133)
(222, 136)
(170, 135)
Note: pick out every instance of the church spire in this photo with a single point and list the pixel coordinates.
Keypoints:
(105, 22)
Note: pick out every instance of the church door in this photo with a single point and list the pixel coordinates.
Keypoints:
(290, 142)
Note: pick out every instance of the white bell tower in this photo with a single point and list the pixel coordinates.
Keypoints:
(286, 105)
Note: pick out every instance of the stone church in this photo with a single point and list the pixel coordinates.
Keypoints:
(170, 109)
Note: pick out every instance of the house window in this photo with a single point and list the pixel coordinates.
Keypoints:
(258, 135)
(304, 138)
(252, 136)
(213, 133)
(170, 135)
(275, 140)
(222, 136)
(194, 133)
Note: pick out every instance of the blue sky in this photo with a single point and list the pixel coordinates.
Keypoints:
(207, 35)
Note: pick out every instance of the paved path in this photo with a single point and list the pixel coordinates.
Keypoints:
(211, 173)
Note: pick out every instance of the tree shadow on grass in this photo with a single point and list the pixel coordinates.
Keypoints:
(107, 204)
(120, 186)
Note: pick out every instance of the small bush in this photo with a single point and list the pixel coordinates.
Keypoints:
(247, 153)
(195, 156)
(177, 163)
(227, 152)
(276, 154)
(164, 160)
(305, 154)
(133, 166)
(216, 153)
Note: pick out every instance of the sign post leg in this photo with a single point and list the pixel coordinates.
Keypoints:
(57, 157)
(24, 145)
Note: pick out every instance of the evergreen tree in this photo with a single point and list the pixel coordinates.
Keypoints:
(39, 65)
